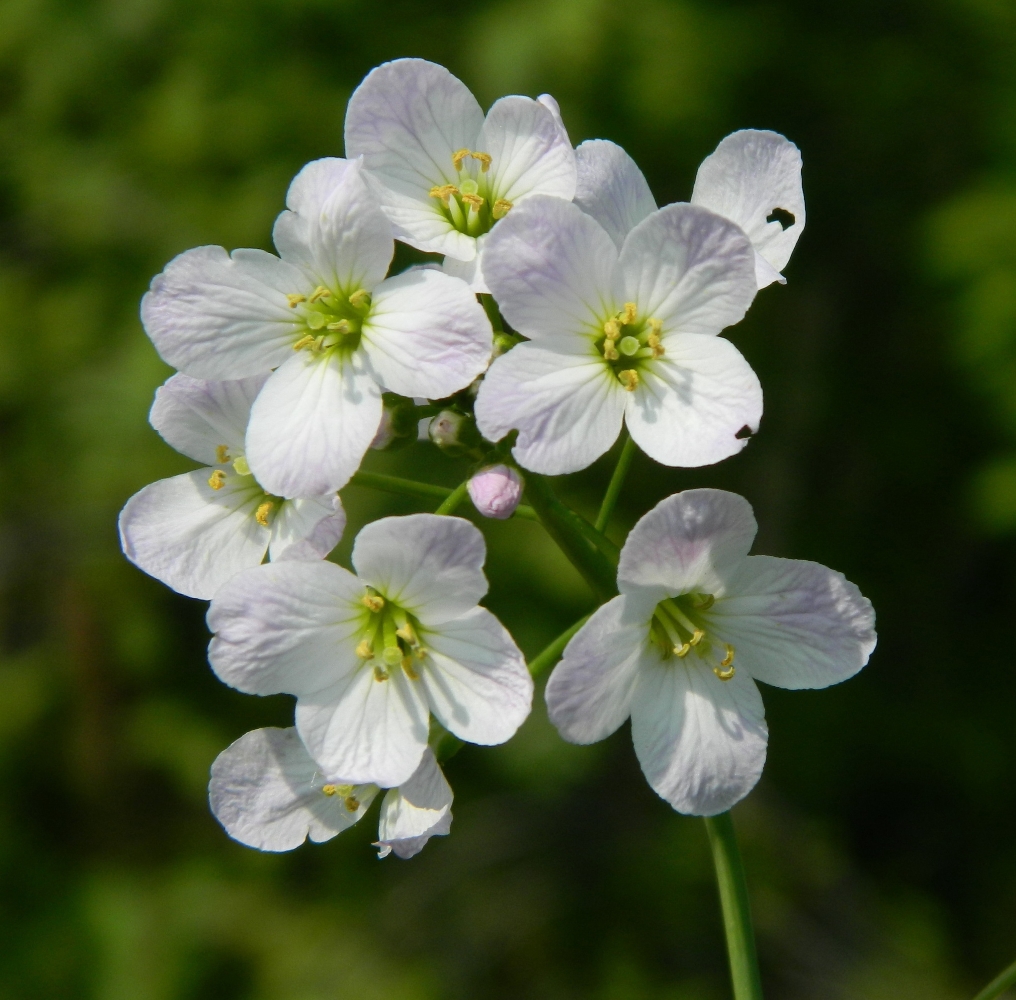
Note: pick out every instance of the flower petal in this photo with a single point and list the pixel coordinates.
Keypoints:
(196, 416)
(589, 692)
(470, 271)
(691, 406)
(267, 793)
(213, 315)
(567, 407)
(312, 423)
(427, 564)
(191, 537)
(611, 188)
(426, 335)
(417, 810)
(406, 119)
(795, 624)
(307, 529)
(550, 102)
(691, 541)
(691, 269)
(751, 176)
(366, 729)
(345, 241)
(476, 678)
(530, 153)
(552, 269)
(701, 741)
(287, 627)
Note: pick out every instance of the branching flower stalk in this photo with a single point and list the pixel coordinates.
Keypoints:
(568, 311)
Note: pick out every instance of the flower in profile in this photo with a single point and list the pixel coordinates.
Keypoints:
(496, 491)
(616, 337)
(370, 656)
(268, 793)
(697, 623)
(444, 173)
(753, 178)
(324, 315)
(194, 531)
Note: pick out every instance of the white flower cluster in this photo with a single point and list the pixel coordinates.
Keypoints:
(290, 367)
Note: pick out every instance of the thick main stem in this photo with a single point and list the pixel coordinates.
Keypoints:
(628, 450)
(736, 910)
(999, 984)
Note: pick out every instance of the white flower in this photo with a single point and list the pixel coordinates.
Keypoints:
(268, 793)
(697, 622)
(619, 336)
(444, 173)
(221, 316)
(753, 178)
(369, 657)
(193, 532)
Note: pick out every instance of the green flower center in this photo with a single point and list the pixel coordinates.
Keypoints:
(470, 204)
(390, 638)
(680, 628)
(227, 466)
(627, 342)
(329, 320)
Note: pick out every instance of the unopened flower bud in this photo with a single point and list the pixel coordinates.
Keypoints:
(496, 491)
(446, 428)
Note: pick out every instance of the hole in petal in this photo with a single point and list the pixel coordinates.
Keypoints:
(744, 432)
(782, 216)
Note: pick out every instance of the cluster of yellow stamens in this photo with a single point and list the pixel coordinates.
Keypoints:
(329, 317)
(677, 628)
(219, 476)
(465, 206)
(345, 792)
(626, 341)
(391, 639)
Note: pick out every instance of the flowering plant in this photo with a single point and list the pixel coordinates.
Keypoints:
(568, 310)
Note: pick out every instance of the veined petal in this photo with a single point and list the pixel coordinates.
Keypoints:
(795, 624)
(429, 565)
(191, 537)
(550, 102)
(307, 529)
(312, 423)
(417, 810)
(366, 729)
(691, 541)
(530, 153)
(691, 269)
(268, 793)
(589, 692)
(470, 271)
(197, 416)
(345, 242)
(751, 176)
(701, 741)
(691, 404)
(611, 188)
(476, 678)
(287, 627)
(426, 335)
(567, 407)
(221, 316)
(552, 269)
(406, 119)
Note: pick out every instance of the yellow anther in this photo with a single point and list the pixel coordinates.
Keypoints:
(303, 342)
(457, 157)
(407, 633)
(682, 651)
(697, 637)
(261, 514)
(655, 326)
(629, 314)
(319, 293)
(610, 350)
(443, 191)
(501, 208)
(359, 298)
(329, 789)
(217, 479)
(365, 650)
(295, 298)
(374, 602)
(240, 466)
(380, 674)
(729, 658)
(410, 670)
(339, 326)
(724, 675)
(474, 201)
(484, 159)
(653, 342)
(221, 454)
(629, 378)
(351, 802)
(420, 652)
(612, 328)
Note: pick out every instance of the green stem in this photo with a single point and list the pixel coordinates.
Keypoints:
(453, 499)
(571, 534)
(736, 909)
(549, 656)
(999, 984)
(492, 311)
(616, 481)
(426, 491)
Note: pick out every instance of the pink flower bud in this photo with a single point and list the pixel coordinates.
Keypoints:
(385, 431)
(496, 491)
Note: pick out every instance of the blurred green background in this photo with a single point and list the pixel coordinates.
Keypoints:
(881, 842)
